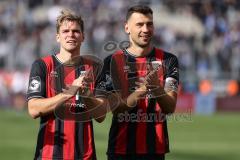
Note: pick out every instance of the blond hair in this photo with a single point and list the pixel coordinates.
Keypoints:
(67, 15)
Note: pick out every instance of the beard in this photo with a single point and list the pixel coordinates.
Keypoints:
(144, 45)
(141, 44)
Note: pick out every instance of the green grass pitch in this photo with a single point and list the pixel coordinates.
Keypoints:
(192, 137)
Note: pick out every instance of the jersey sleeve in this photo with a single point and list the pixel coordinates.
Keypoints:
(172, 73)
(104, 80)
(37, 80)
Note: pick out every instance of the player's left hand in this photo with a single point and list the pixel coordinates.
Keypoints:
(153, 82)
(152, 78)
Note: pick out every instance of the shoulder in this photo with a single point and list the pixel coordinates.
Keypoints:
(108, 58)
(115, 54)
(169, 55)
(44, 60)
(47, 59)
(166, 54)
(43, 64)
(39, 63)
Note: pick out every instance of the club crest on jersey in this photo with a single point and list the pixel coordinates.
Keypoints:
(34, 85)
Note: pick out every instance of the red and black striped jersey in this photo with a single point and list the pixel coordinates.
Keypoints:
(143, 129)
(62, 134)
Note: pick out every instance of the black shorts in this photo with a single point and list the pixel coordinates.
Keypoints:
(136, 157)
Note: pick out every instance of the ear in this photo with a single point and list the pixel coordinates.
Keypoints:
(127, 28)
(57, 37)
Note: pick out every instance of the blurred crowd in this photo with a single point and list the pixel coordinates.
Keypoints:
(205, 35)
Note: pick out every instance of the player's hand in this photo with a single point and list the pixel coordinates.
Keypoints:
(153, 78)
(88, 79)
(82, 84)
(141, 88)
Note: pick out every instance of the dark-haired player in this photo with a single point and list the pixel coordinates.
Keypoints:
(146, 80)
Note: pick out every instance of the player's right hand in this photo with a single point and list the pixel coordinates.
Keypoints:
(80, 84)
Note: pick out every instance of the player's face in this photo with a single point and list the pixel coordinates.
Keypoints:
(70, 36)
(140, 29)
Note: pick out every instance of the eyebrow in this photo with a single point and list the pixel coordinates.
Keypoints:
(149, 22)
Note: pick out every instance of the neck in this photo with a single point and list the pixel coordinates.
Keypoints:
(140, 51)
(67, 57)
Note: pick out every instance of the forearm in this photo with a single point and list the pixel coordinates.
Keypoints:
(166, 100)
(42, 106)
(97, 107)
(126, 104)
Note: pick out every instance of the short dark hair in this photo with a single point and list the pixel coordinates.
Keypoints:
(138, 9)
